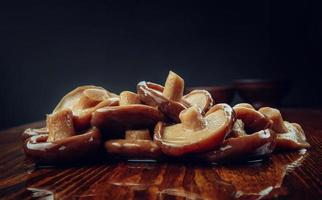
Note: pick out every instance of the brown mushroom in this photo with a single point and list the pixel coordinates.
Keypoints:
(276, 119)
(65, 150)
(121, 118)
(84, 100)
(196, 133)
(254, 121)
(199, 98)
(293, 139)
(243, 147)
(126, 116)
(167, 99)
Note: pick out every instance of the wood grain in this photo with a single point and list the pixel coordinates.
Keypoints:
(286, 175)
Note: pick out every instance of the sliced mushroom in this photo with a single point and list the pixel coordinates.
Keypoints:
(184, 138)
(276, 119)
(168, 100)
(243, 147)
(133, 148)
(293, 139)
(143, 134)
(254, 121)
(200, 98)
(66, 150)
(83, 100)
(173, 87)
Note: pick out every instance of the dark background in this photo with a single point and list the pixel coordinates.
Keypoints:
(49, 47)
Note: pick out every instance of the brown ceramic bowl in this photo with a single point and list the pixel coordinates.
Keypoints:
(221, 94)
(260, 92)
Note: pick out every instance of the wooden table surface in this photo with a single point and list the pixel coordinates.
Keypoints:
(289, 175)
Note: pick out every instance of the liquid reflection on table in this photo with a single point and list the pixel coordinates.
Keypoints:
(146, 180)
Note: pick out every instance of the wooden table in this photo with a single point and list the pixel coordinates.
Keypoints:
(294, 175)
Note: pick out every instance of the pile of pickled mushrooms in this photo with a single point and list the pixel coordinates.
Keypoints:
(158, 122)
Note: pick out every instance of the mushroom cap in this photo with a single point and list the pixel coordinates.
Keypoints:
(254, 121)
(242, 147)
(62, 151)
(294, 139)
(151, 94)
(121, 118)
(82, 116)
(199, 98)
(275, 116)
(72, 98)
(83, 121)
(245, 105)
(176, 140)
(29, 132)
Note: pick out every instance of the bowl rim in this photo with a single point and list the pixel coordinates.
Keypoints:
(212, 87)
(260, 81)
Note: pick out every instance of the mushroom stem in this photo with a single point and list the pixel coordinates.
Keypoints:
(60, 125)
(143, 134)
(191, 118)
(173, 87)
(128, 98)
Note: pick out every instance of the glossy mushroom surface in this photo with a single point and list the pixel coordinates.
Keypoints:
(133, 148)
(254, 121)
(62, 151)
(242, 147)
(178, 139)
(90, 118)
